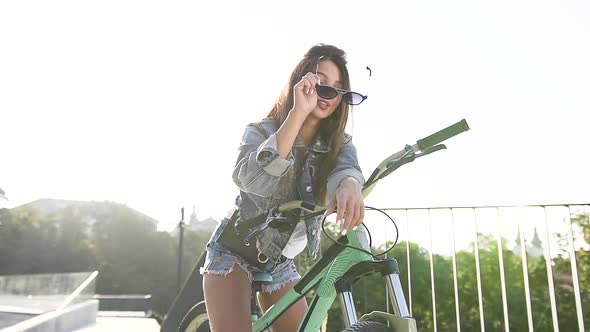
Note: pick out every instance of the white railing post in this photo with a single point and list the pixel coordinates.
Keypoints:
(502, 273)
(549, 268)
(478, 274)
(525, 270)
(408, 260)
(432, 273)
(574, 264)
(455, 283)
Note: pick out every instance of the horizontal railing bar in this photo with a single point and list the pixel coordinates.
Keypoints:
(78, 290)
(483, 206)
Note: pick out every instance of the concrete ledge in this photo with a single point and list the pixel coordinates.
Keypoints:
(129, 302)
(71, 318)
(131, 324)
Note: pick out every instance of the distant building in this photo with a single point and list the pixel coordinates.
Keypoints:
(2, 197)
(207, 225)
(534, 249)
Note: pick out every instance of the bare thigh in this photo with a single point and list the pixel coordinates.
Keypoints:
(228, 300)
(290, 320)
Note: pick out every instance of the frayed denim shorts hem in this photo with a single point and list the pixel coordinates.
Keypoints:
(220, 261)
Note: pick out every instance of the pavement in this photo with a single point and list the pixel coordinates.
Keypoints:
(120, 324)
(116, 323)
(16, 309)
(37, 304)
(8, 318)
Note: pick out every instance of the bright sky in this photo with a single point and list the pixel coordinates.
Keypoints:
(144, 102)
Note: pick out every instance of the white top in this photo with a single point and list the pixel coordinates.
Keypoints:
(297, 241)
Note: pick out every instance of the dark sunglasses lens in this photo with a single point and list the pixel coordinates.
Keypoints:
(353, 98)
(326, 92)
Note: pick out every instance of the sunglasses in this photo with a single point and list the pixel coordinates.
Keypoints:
(330, 92)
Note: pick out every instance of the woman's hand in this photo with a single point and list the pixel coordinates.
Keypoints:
(306, 98)
(348, 201)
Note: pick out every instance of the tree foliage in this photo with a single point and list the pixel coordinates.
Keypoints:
(133, 257)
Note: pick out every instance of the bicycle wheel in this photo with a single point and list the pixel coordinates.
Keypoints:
(368, 326)
(196, 319)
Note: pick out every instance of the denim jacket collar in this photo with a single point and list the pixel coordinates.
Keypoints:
(319, 144)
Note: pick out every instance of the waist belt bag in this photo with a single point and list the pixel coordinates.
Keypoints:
(232, 238)
(234, 242)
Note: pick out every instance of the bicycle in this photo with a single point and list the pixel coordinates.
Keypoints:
(343, 263)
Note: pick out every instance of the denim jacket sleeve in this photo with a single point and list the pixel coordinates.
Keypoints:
(260, 167)
(346, 166)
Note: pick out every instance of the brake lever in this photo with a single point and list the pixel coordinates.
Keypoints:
(408, 157)
(431, 149)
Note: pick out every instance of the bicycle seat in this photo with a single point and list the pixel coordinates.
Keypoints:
(263, 277)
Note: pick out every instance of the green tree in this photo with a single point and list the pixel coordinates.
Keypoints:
(563, 277)
(22, 242)
(31, 244)
(193, 247)
(133, 258)
(67, 242)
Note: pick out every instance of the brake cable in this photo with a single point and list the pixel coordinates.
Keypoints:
(375, 256)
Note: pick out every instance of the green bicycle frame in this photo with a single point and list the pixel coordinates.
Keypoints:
(322, 275)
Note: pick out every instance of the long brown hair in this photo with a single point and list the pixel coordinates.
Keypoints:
(332, 128)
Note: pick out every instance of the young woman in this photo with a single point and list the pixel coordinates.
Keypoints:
(299, 152)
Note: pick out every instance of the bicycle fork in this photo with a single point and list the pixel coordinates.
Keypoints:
(389, 270)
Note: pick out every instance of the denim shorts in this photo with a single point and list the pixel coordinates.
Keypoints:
(221, 261)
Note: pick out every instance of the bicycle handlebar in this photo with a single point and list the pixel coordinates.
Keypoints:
(443, 135)
(420, 146)
(386, 166)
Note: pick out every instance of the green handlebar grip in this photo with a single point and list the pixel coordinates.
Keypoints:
(442, 135)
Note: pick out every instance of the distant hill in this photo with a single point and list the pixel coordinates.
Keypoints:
(48, 206)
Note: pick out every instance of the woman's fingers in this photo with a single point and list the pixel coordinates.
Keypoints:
(349, 217)
(350, 208)
(340, 213)
(305, 97)
(309, 81)
(330, 208)
(362, 213)
(355, 213)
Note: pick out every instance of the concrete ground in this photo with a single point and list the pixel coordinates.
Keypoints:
(116, 324)
(103, 323)
(15, 309)
(8, 318)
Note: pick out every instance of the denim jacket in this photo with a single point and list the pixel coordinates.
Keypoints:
(266, 180)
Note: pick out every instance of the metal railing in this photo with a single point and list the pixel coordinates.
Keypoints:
(506, 239)
(39, 293)
(57, 302)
